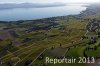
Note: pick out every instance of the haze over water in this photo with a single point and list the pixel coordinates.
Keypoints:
(38, 13)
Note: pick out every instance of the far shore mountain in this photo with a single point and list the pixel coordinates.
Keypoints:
(29, 5)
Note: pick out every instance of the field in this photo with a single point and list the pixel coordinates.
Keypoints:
(29, 42)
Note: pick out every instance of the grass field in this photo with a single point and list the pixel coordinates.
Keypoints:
(64, 36)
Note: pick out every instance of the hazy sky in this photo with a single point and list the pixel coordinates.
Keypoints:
(44, 1)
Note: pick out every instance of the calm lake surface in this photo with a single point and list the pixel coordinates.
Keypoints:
(38, 13)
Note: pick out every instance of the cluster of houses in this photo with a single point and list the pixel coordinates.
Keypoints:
(93, 31)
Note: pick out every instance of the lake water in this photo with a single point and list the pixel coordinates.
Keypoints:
(38, 13)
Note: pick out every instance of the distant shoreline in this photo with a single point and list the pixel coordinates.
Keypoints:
(35, 19)
(30, 5)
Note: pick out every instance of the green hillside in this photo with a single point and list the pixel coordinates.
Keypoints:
(29, 42)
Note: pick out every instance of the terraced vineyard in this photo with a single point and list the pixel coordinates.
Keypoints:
(29, 42)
